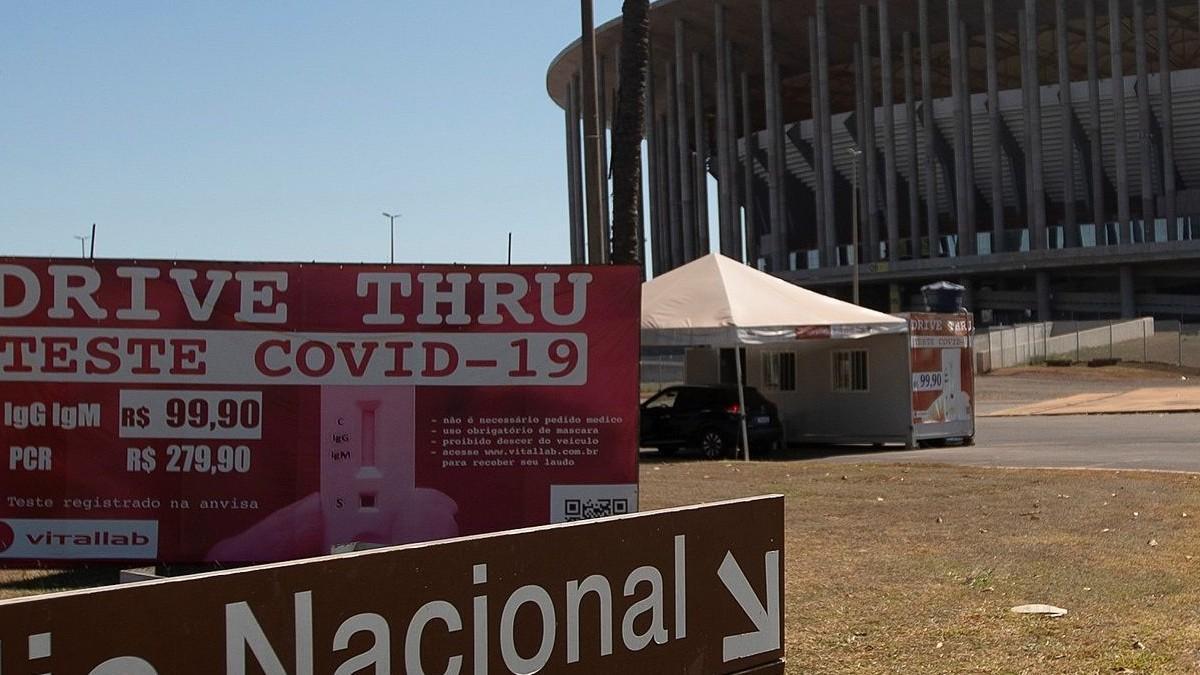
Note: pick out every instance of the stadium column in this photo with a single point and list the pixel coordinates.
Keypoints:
(818, 144)
(827, 171)
(701, 162)
(1026, 123)
(642, 196)
(575, 175)
(960, 152)
(860, 160)
(779, 148)
(655, 198)
(687, 214)
(1066, 128)
(1128, 293)
(1099, 216)
(753, 242)
(724, 182)
(1145, 135)
(869, 150)
(994, 122)
(664, 186)
(598, 239)
(931, 204)
(775, 253)
(888, 100)
(678, 250)
(1035, 104)
(735, 216)
(1124, 227)
(1168, 121)
(602, 110)
(1042, 285)
(968, 122)
(910, 113)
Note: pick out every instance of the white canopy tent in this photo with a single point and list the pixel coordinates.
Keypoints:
(716, 301)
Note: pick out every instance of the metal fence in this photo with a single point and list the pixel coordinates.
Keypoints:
(1140, 341)
(661, 368)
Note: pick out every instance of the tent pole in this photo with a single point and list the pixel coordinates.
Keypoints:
(737, 359)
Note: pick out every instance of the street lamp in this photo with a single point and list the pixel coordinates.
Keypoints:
(392, 224)
(856, 153)
(82, 245)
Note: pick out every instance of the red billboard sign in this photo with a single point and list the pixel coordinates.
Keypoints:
(253, 411)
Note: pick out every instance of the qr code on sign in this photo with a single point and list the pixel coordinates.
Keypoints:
(586, 509)
(570, 503)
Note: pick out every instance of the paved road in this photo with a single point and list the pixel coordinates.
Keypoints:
(1163, 442)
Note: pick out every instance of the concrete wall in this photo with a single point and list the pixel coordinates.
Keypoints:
(1036, 342)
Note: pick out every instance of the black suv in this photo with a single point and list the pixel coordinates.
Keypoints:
(707, 417)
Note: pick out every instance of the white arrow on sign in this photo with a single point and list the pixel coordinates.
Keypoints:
(766, 619)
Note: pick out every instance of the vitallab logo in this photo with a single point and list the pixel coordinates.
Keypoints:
(46, 539)
(6, 536)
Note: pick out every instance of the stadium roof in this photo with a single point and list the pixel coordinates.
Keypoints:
(744, 30)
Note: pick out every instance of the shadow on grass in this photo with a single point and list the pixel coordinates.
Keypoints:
(33, 581)
(819, 452)
(47, 581)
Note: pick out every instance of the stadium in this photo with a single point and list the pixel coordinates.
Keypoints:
(1043, 153)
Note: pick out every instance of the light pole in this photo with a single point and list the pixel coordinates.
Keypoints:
(82, 245)
(597, 239)
(854, 235)
(392, 226)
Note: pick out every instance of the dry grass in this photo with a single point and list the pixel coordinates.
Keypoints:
(894, 569)
(913, 569)
(15, 583)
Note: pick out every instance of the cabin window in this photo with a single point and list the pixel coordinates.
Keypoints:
(850, 374)
(779, 371)
(729, 365)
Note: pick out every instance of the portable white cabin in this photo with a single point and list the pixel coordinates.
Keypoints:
(830, 391)
(839, 373)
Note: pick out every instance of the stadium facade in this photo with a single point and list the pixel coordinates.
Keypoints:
(1044, 153)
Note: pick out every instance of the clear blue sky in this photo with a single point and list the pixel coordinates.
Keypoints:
(280, 131)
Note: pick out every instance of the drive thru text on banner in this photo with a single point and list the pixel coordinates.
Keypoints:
(244, 412)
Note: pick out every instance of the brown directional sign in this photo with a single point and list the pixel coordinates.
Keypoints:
(689, 590)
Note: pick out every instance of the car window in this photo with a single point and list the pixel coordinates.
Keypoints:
(714, 398)
(665, 399)
(696, 398)
(725, 397)
(690, 399)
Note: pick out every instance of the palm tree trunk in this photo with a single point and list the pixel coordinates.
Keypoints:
(628, 130)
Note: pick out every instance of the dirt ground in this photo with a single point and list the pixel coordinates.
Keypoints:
(1017, 386)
